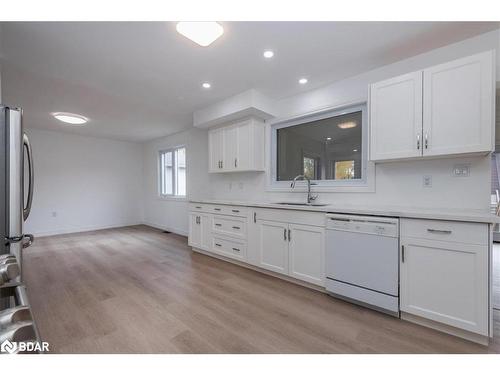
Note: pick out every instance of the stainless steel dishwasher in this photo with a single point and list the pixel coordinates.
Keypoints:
(362, 260)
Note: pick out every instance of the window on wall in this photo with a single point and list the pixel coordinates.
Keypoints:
(329, 148)
(172, 164)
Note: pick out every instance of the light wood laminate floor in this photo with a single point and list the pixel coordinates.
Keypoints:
(138, 290)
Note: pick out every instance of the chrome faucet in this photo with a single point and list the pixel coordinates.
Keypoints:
(310, 197)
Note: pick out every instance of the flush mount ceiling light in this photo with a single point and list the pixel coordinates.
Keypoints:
(268, 54)
(355, 150)
(347, 125)
(206, 85)
(303, 81)
(328, 138)
(70, 118)
(202, 33)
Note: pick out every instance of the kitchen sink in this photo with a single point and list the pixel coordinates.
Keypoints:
(302, 204)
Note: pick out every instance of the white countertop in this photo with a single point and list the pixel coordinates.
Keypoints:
(477, 216)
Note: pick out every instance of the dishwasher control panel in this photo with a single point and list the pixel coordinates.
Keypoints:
(383, 226)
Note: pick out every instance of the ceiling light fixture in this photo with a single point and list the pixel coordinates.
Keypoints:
(303, 81)
(206, 85)
(70, 118)
(202, 33)
(355, 150)
(268, 54)
(328, 138)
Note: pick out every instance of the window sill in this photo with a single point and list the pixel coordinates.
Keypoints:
(173, 198)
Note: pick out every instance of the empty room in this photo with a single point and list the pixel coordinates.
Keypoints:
(249, 187)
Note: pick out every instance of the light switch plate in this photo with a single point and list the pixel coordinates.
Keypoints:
(461, 170)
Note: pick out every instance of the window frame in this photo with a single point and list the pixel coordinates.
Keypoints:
(160, 171)
(367, 181)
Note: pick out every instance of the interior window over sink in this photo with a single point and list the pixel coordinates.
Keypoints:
(329, 148)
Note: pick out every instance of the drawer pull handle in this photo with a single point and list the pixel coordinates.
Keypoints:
(235, 249)
(438, 231)
(236, 228)
(218, 225)
(217, 209)
(198, 206)
(235, 210)
(218, 244)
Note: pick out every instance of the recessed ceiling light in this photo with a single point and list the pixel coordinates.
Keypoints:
(268, 54)
(70, 118)
(328, 138)
(206, 85)
(355, 150)
(202, 33)
(303, 81)
(347, 125)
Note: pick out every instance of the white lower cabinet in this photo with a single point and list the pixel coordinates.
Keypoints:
(200, 233)
(292, 249)
(443, 280)
(273, 246)
(306, 253)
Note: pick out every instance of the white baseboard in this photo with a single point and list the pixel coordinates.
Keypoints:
(178, 231)
(84, 229)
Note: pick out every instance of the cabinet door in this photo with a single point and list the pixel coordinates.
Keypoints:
(307, 253)
(458, 106)
(446, 282)
(215, 150)
(230, 148)
(396, 118)
(273, 246)
(245, 145)
(194, 238)
(205, 231)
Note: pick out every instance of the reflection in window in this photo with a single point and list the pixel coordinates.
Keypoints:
(344, 170)
(326, 149)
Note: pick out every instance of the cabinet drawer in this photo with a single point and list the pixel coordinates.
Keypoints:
(198, 207)
(229, 248)
(450, 231)
(229, 210)
(230, 226)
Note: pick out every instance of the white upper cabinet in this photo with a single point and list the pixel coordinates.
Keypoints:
(216, 156)
(458, 106)
(237, 147)
(443, 110)
(396, 117)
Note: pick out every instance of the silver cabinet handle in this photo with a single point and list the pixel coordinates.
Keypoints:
(199, 207)
(235, 249)
(235, 210)
(402, 253)
(255, 217)
(216, 209)
(418, 141)
(235, 162)
(426, 141)
(441, 231)
(218, 224)
(289, 235)
(236, 228)
(284, 234)
(27, 146)
(218, 244)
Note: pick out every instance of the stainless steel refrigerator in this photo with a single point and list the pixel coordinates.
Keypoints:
(16, 195)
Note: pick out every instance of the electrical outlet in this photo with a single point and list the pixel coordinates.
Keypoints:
(427, 181)
(461, 170)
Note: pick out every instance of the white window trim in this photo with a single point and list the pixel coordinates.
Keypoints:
(365, 184)
(171, 197)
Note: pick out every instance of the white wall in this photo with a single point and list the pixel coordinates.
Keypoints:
(171, 214)
(90, 183)
(396, 184)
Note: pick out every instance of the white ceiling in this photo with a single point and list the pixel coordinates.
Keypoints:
(141, 80)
